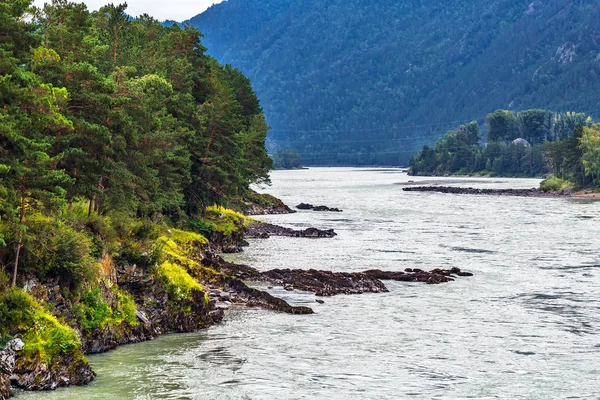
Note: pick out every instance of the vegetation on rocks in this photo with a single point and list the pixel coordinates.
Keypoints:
(45, 337)
(93, 311)
(554, 184)
(178, 282)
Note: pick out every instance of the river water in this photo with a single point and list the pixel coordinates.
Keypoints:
(526, 326)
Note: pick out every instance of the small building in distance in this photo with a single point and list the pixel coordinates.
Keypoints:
(521, 141)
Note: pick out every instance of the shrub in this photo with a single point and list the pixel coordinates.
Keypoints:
(224, 220)
(178, 282)
(203, 226)
(126, 309)
(44, 336)
(143, 230)
(554, 184)
(54, 249)
(94, 312)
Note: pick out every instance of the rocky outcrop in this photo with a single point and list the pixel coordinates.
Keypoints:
(323, 283)
(242, 293)
(7, 366)
(266, 209)
(263, 231)
(305, 206)
(70, 369)
(262, 204)
(488, 192)
(228, 288)
(328, 283)
(156, 313)
(35, 374)
(417, 275)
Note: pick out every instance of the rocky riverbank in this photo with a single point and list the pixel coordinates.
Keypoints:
(181, 284)
(262, 204)
(488, 192)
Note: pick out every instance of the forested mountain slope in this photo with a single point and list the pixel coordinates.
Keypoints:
(369, 81)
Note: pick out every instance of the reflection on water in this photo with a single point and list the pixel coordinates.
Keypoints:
(524, 327)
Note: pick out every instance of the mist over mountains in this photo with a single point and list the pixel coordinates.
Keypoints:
(365, 82)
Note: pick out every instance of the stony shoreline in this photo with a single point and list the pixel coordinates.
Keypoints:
(157, 314)
(488, 192)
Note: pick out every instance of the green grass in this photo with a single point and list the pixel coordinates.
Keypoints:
(179, 282)
(225, 221)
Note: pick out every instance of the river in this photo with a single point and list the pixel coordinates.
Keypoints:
(525, 326)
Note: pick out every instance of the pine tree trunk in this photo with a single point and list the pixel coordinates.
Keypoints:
(90, 208)
(20, 242)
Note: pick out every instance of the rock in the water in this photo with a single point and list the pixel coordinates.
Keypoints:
(305, 206)
(262, 230)
(322, 283)
(418, 275)
(489, 192)
(326, 209)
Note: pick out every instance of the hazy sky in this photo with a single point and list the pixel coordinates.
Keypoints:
(178, 10)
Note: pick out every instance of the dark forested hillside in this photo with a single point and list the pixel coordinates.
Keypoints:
(368, 82)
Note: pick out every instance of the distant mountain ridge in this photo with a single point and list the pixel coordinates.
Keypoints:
(369, 81)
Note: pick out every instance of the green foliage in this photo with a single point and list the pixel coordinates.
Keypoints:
(54, 249)
(554, 184)
(502, 126)
(224, 220)
(286, 159)
(93, 311)
(589, 144)
(508, 151)
(108, 123)
(565, 159)
(44, 336)
(178, 282)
